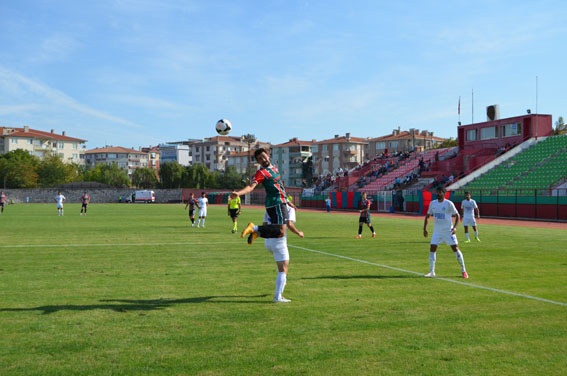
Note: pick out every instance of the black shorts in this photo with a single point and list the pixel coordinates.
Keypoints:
(233, 213)
(192, 212)
(364, 219)
(84, 206)
(1, 204)
(278, 214)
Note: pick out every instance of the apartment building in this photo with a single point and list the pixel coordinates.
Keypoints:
(343, 152)
(213, 152)
(289, 157)
(240, 161)
(403, 141)
(126, 159)
(153, 157)
(41, 143)
(175, 152)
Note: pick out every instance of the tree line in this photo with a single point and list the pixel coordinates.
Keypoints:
(19, 169)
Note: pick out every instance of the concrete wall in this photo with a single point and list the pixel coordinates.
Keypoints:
(74, 195)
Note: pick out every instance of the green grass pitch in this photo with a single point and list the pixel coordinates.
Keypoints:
(133, 290)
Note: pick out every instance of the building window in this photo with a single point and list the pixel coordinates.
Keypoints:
(488, 133)
(325, 148)
(394, 144)
(471, 135)
(75, 146)
(511, 130)
(61, 145)
(29, 141)
(336, 147)
(380, 145)
(208, 148)
(75, 156)
(14, 140)
(37, 142)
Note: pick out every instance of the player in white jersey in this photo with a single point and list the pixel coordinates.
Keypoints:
(444, 230)
(202, 203)
(60, 199)
(470, 212)
(278, 247)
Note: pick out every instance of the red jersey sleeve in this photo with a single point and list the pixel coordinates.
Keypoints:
(258, 177)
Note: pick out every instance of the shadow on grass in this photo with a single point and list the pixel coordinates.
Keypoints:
(133, 305)
(363, 277)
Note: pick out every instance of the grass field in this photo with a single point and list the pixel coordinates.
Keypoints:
(132, 290)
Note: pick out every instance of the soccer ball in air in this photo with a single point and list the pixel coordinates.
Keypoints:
(223, 127)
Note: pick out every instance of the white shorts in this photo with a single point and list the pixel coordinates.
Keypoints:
(59, 206)
(469, 221)
(444, 237)
(202, 212)
(278, 247)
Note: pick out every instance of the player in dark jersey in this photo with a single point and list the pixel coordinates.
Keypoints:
(191, 204)
(85, 199)
(365, 216)
(276, 199)
(2, 202)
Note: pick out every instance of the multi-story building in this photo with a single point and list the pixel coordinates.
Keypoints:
(339, 152)
(404, 141)
(178, 152)
(213, 152)
(41, 143)
(240, 161)
(153, 157)
(289, 157)
(126, 159)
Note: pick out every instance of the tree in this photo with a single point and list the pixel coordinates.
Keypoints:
(18, 169)
(229, 179)
(451, 142)
(144, 177)
(560, 127)
(108, 174)
(170, 174)
(52, 171)
(198, 176)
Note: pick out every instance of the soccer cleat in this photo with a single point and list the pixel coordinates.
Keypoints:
(430, 275)
(281, 299)
(478, 239)
(233, 231)
(465, 275)
(373, 234)
(358, 236)
(252, 237)
(467, 241)
(247, 230)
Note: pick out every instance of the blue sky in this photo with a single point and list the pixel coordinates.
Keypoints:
(143, 72)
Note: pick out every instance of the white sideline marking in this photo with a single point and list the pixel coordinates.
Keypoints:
(105, 245)
(436, 278)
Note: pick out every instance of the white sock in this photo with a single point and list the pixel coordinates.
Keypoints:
(476, 234)
(255, 228)
(467, 235)
(432, 259)
(203, 222)
(461, 260)
(280, 284)
(198, 222)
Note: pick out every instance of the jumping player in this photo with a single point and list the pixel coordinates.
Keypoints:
(234, 208)
(444, 231)
(365, 216)
(470, 212)
(278, 247)
(202, 203)
(60, 199)
(2, 202)
(191, 204)
(85, 200)
(276, 199)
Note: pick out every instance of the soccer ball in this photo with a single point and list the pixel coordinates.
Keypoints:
(223, 127)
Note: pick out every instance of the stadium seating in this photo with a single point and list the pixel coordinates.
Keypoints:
(538, 167)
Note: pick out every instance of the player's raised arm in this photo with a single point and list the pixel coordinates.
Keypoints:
(244, 191)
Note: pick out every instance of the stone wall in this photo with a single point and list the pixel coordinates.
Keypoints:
(47, 195)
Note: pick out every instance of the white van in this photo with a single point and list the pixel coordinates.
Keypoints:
(144, 196)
